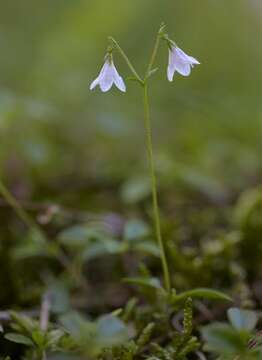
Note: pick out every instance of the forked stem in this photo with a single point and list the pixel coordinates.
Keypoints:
(149, 144)
(155, 50)
(154, 188)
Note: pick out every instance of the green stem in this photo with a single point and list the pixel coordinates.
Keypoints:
(160, 35)
(10, 199)
(153, 56)
(128, 62)
(143, 83)
(154, 189)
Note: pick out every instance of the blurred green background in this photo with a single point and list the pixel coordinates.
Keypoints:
(59, 140)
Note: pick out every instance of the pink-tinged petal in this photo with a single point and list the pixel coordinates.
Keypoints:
(182, 63)
(118, 80)
(106, 85)
(194, 61)
(186, 57)
(183, 69)
(94, 83)
(170, 73)
(106, 77)
(171, 66)
(182, 54)
(97, 80)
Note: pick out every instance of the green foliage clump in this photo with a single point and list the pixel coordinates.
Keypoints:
(237, 339)
(109, 337)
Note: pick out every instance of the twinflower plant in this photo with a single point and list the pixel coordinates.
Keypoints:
(179, 62)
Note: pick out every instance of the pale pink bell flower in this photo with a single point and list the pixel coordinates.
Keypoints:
(107, 77)
(179, 61)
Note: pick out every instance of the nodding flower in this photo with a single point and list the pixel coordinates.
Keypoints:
(179, 61)
(108, 76)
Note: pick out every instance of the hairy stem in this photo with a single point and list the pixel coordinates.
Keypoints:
(153, 56)
(154, 189)
(160, 35)
(128, 62)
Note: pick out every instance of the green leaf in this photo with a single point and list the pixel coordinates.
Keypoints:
(135, 189)
(30, 250)
(34, 244)
(147, 247)
(242, 319)
(202, 293)
(77, 236)
(74, 322)
(223, 339)
(19, 339)
(145, 335)
(60, 297)
(114, 246)
(25, 323)
(152, 282)
(191, 177)
(54, 336)
(104, 247)
(39, 338)
(135, 230)
(129, 309)
(111, 330)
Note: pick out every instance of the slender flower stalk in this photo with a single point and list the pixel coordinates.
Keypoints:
(149, 146)
(180, 62)
(154, 189)
(125, 57)
(155, 50)
(151, 162)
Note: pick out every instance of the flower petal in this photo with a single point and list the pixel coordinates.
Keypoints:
(94, 83)
(194, 61)
(119, 82)
(181, 61)
(182, 54)
(106, 77)
(171, 66)
(187, 58)
(97, 80)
